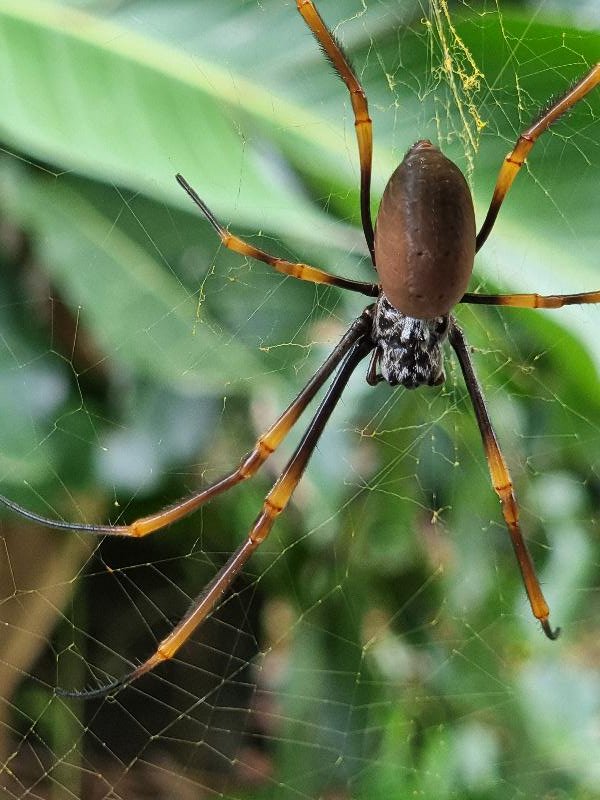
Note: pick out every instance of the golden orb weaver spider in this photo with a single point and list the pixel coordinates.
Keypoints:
(423, 247)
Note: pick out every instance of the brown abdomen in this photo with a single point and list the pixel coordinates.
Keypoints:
(425, 234)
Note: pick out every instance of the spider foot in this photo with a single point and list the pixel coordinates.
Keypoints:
(104, 690)
(551, 633)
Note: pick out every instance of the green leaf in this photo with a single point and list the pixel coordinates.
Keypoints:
(140, 314)
(88, 95)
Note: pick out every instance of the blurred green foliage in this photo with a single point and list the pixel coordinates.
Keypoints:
(379, 645)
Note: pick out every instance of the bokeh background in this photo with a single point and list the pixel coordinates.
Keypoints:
(379, 644)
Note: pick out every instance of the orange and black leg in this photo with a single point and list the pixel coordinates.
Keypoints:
(303, 272)
(275, 502)
(263, 448)
(362, 121)
(502, 483)
(516, 158)
(532, 300)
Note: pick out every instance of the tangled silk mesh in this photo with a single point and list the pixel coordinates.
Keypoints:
(379, 643)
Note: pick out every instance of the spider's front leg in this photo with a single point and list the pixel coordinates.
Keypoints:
(502, 483)
(264, 447)
(275, 502)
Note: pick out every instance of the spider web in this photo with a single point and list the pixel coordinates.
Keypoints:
(379, 643)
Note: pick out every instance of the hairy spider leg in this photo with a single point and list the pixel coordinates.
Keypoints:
(362, 122)
(303, 272)
(532, 300)
(275, 502)
(516, 158)
(263, 448)
(502, 483)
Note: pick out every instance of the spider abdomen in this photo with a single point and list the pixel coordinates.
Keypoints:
(425, 234)
(409, 350)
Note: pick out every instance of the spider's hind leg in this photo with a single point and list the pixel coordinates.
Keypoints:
(362, 122)
(516, 158)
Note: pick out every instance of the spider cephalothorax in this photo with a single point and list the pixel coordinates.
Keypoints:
(408, 350)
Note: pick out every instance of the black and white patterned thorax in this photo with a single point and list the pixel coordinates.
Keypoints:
(408, 350)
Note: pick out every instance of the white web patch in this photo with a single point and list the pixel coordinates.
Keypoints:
(379, 642)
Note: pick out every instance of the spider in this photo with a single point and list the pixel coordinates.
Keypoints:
(423, 248)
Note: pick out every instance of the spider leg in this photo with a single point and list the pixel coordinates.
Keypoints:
(303, 272)
(502, 483)
(516, 158)
(275, 502)
(532, 300)
(362, 121)
(263, 448)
